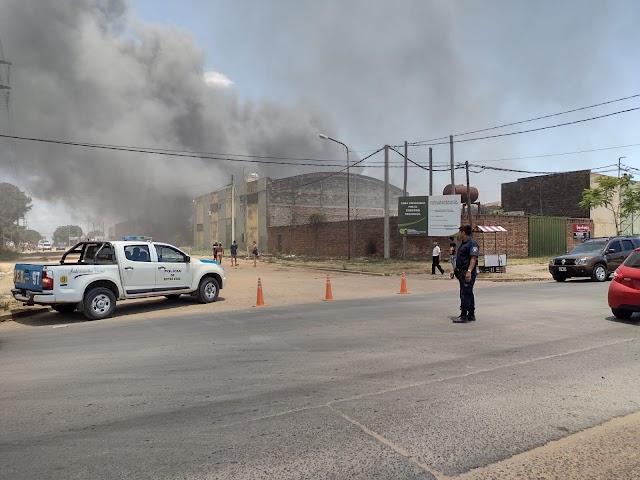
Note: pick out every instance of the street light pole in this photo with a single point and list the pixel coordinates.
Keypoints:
(325, 137)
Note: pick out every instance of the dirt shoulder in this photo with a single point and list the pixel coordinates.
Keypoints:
(282, 285)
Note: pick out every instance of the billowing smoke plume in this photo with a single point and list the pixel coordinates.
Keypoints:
(82, 71)
(381, 71)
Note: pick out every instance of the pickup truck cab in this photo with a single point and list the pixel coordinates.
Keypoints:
(92, 276)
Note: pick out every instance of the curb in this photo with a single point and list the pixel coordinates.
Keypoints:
(5, 317)
(325, 269)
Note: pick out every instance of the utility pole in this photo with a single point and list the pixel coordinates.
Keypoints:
(619, 226)
(404, 194)
(453, 182)
(233, 211)
(430, 193)
(466, 166)
(430, 171)
(386, 203)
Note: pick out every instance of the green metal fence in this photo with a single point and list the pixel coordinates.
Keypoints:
(547, 236)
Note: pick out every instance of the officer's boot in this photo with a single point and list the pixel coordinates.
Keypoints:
(462, 318)
(471, 316)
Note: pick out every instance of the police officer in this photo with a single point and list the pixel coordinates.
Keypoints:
(465, 272)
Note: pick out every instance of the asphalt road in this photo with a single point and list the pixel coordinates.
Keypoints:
(382, 388)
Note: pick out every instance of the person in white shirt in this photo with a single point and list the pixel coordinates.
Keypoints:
(435, 262)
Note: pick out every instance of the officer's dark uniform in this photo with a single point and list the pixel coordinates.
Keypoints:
(467, 249)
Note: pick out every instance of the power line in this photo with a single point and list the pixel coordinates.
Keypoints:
(164, 153)
(560, 154)
(330, 175)
(423, 142)
(549, 126)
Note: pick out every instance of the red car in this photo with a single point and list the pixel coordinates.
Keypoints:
(624, 290)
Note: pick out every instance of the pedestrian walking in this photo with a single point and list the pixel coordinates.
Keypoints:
(220, 253)
(255, 253)
(214, 251)
(452, 252)
(435, 259)
(234, 253)
(465, 272)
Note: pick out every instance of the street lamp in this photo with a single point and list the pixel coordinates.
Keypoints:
(325, 137)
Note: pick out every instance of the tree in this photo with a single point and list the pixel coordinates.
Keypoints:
(621, 196)
(95, 233)
(63, 233)
(30, 236)
(14, 204)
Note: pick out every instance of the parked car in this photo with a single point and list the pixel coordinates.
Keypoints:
(44, 245)
(624, 291)
(596, 258)
(92, 276)
(60, 246)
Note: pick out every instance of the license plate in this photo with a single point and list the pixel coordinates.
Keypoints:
(562, 269)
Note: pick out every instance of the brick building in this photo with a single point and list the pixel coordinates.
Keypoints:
(328, 239)
(260, 203)
(558, 195)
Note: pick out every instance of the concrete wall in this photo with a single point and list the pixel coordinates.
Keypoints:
(292, 200)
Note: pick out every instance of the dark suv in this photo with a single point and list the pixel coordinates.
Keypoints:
(596, 258)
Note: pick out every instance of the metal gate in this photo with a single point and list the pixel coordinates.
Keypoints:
(547, 236)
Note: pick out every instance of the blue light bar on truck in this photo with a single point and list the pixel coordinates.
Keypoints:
(133, 238)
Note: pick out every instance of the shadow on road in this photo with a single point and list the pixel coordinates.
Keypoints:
(123, 309)
(634, 320)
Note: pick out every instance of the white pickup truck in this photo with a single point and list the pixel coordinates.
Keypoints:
(91, 276)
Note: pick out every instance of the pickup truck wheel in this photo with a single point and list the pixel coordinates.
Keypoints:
(600, 273)
(208, 290)
(621, 314)
(99, 303)
(64, 307)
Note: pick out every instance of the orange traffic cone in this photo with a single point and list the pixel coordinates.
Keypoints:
(260, 298)
(403, 285)
(328, 295)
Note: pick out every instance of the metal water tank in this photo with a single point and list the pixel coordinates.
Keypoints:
(462, 191)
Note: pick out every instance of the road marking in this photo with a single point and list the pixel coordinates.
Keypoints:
(385, 441)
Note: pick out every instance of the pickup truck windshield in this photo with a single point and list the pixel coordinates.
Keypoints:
(589, 247)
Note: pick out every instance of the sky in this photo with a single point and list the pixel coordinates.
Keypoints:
(248, 77)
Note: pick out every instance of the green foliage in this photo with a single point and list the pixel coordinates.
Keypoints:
(62, 234)
(14, 204)
(31, 236)
(621, 196)
(316, 218)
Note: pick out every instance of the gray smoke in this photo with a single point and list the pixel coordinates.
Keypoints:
(418, 69)
(83, 72)
(367, 72)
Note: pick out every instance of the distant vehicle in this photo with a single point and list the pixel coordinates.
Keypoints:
(596, 258)
(44, 245)
(91, 276)
(624, 291)
(60, 246)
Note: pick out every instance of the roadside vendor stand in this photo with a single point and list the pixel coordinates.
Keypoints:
(496, 261)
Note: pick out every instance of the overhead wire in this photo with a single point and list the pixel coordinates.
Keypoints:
(422, 142)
